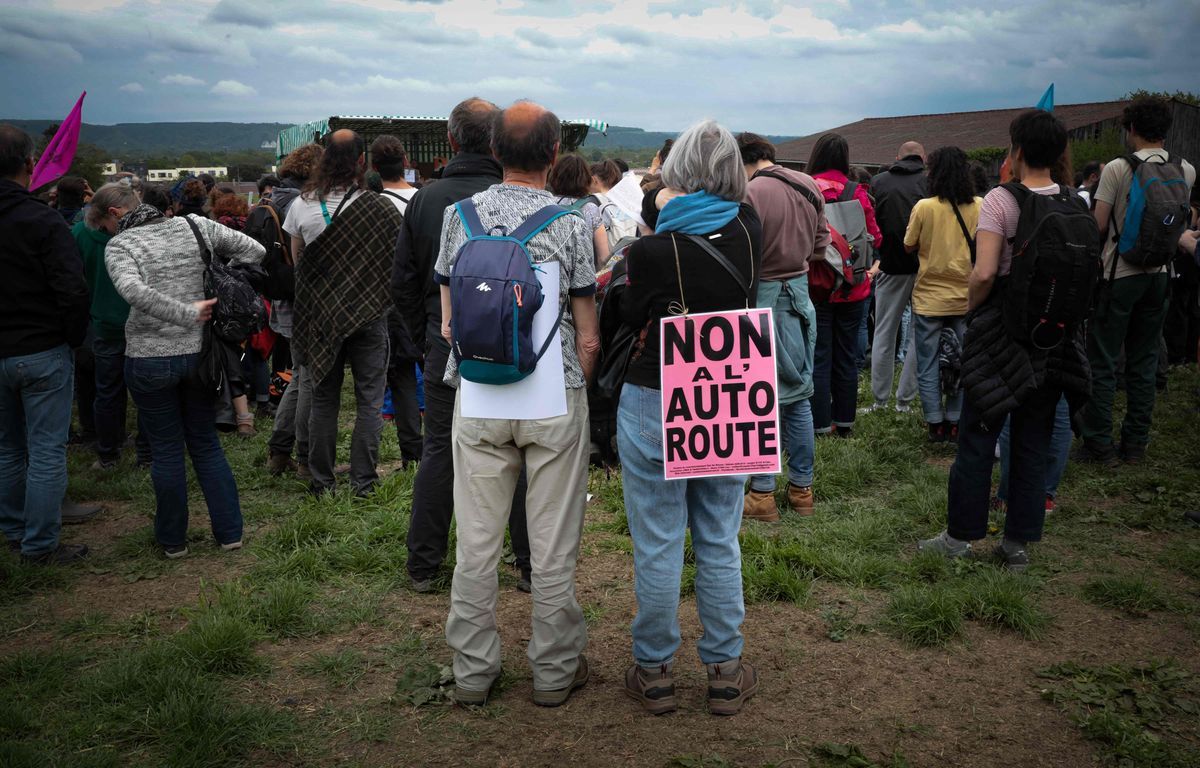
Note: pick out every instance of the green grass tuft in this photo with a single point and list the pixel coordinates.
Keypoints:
(925, 615)
(1132, 593)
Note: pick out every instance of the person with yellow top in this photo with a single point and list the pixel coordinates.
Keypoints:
(941, 231)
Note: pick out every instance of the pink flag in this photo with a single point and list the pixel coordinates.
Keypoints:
(60, 152)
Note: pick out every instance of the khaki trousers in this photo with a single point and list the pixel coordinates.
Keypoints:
(488, 454)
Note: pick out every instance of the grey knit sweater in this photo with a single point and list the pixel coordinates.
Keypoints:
(158, 269)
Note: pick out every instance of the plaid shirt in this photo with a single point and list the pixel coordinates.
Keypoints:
(342, 280)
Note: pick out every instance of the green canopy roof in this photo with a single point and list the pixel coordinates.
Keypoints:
(423, 137)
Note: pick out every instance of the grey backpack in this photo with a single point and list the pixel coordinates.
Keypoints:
(847, 216)
(1156, 213)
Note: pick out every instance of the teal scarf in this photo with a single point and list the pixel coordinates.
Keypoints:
(696, 214)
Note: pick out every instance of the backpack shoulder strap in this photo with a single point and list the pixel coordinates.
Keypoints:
(538, 221)
(470, 217)
(720, 258)
(283, 240)
(205, 251)
(848, 191)
(813, 199)
(1133, 160)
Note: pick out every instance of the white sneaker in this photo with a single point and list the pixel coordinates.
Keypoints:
(903, 408)
(231, 546)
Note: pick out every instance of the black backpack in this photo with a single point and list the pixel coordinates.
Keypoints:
(239, 311)
(1055, 267)
(265, 225)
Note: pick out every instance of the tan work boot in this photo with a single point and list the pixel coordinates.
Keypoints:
(654, 690)
(730, 685)
(280, 463)
(761, 507)
(800, 500)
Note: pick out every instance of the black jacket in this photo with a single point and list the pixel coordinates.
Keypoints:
(43, 294)
(999, 374)
(416, 296)
(896, 191)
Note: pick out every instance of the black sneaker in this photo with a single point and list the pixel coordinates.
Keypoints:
(14, 545)
(63, 554)
(73, 514)
(937, 432)
(420, 586)
(1192, 516)
(1012, 555)
(526, 582)
(1132, 454)
(175, 551)
(1102, 455)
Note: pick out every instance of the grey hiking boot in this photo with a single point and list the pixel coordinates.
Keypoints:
(730, 685)
(1012, 555)
(465, 697)
(557, 698)
(945, 545)
(654, 689)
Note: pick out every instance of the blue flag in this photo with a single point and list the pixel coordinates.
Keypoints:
(1047, 102)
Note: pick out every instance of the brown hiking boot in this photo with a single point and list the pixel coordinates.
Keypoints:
(800, 500)
(730, 684)
(302, 470)
(761, 507)
(280, 463)
(559, 697)
(654, 690)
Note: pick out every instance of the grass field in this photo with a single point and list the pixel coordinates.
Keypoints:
(307, 649)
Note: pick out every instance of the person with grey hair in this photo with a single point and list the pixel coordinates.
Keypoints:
(672, 274)
(109, 312)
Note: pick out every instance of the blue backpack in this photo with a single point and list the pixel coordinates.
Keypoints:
(1156, 213)
(494, 294)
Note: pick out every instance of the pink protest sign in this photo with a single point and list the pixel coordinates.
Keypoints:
(719, 394)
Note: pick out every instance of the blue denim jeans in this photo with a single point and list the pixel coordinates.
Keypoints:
(111, 402)
(660, 512)
(1060, 449)
(835, 373)
(796, 423)
(928, 331)
(35, 418)
(178, 412)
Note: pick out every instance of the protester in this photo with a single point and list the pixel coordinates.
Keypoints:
(342, 242)
(839, 316)
(1089, 180)
(606, 174)
(651, 180)
(266, 184)
(265, 224)
(155, 195)
(72, 194)
(193, 199)
(1130, 315)
(1003, 375)
(896, 190)
(109, 311)
(157, 265)
(488, 452)
(704, 183)
(418, 300)
(794, 232)
(571, 181)
(389, 159)
(941, 232)
(43, 313)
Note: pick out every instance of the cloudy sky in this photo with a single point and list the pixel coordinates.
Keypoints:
(774, 67)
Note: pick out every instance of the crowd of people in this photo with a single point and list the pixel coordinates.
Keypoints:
(139, 291)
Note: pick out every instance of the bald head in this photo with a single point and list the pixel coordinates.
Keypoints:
(342, 161)
(470, 125)
(910, 148)
(526, 136)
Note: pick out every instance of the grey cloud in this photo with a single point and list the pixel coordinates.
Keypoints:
(241, 13)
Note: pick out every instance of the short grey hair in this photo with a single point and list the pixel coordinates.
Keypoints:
(470, 125)
(706, 156)
(113, 195)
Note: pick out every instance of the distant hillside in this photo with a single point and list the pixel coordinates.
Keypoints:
(636, 138)
(167, 138)
(175, 138)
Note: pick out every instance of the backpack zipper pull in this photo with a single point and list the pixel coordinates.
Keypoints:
(517, 293)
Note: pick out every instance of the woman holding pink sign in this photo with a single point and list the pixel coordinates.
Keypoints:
(672, 274)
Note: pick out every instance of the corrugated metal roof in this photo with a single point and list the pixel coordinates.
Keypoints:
(874, 141)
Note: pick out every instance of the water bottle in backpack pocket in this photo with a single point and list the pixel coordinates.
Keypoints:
(1055, 267)
(494, 294)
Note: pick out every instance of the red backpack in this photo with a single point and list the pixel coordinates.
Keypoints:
(832, 279)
